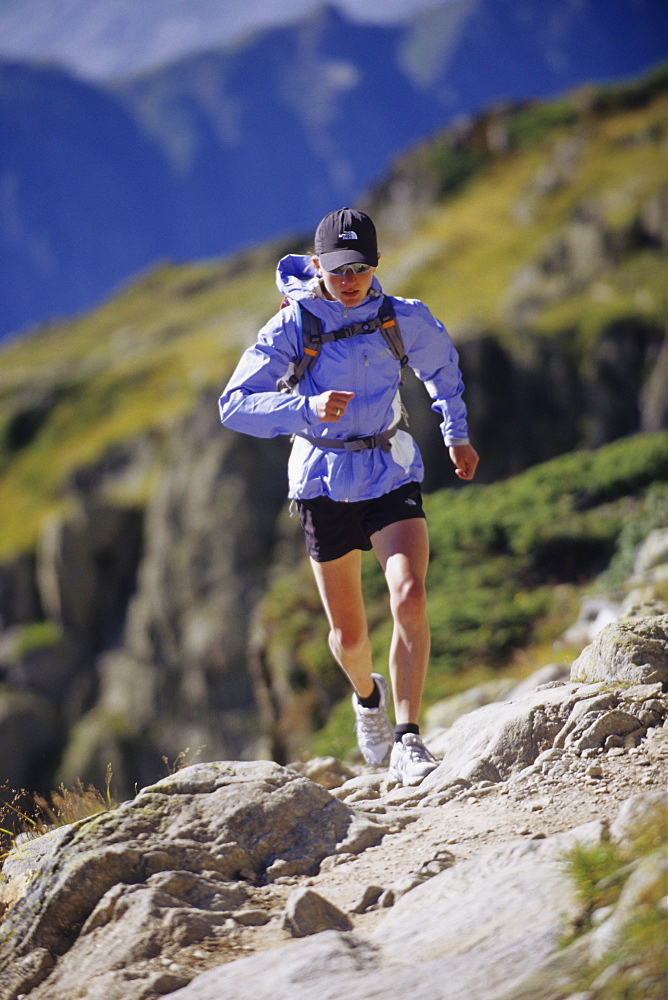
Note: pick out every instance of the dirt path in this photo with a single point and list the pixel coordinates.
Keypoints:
(571, 790)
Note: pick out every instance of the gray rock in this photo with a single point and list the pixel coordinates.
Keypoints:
(443, 713)
(595, 614)
(633, 812)
(326, 771)
(191, 614)
(653, 552)
(553, 673)
(647, 589)
(368, 899)
(584, 712)
(474, 927)
(633, 652)
(168, 869)
(499, 739)
(86, 569)
(647, 880)
(325, 966)
(306, 912)
(615, 723)
(555, 979)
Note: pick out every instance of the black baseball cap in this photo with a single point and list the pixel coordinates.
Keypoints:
(346, 237)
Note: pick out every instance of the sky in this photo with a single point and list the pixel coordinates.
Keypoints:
(84, 35)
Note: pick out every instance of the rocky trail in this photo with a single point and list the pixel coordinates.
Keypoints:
(322, 880)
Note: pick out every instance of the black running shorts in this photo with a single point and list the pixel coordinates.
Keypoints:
(333, 528)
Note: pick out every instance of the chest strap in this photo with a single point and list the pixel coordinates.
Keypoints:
(313, 338)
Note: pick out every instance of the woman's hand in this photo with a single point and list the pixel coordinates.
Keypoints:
(465, 460)
(331, 405)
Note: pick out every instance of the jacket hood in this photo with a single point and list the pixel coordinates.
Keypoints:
(297, 279)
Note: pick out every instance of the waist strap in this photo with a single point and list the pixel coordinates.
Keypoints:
(381, 441)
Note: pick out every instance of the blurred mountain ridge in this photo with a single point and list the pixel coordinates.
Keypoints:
(223, 149)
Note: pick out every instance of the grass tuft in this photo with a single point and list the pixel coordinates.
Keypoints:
(29, 815)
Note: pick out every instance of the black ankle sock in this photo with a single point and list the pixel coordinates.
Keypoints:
(408, 727)
(373, 701)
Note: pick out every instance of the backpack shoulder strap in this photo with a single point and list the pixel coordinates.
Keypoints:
(311, 331)
(391, 332)
(313, 339)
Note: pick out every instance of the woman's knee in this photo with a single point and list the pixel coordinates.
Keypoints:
(409, 599)
(349, 639)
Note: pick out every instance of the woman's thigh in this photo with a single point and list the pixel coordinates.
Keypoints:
(340, 586)
(402, 549)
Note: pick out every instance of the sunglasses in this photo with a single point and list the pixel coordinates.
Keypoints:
(355, 268)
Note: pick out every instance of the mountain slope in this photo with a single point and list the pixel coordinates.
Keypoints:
(151, 349)
(228, 148)
(83, 195)
(138, 539)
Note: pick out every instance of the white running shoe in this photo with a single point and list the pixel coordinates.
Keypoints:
(375, 734)
(410, 761)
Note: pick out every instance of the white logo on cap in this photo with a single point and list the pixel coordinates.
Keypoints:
(348, 234)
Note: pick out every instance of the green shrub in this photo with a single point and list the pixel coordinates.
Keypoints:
(632, 94)
(454, 167)
(533, 123)
(636, 966)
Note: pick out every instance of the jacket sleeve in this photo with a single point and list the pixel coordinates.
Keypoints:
(251, 403)
(433, 358)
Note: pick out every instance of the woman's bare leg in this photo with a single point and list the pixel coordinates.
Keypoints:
(402, 549)
(340, 587)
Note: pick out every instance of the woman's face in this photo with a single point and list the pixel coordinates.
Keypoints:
(350, 289)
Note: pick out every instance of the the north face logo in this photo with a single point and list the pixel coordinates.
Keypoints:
(347, 234)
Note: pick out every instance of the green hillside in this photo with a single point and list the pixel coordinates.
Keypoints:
(70, 391)
(598, 150)
(134, 366)
(509, 563)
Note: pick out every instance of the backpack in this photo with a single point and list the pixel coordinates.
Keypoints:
(313, 338)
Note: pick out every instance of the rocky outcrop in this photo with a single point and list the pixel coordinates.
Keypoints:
(452, 932)
(459, 880)
(647, 588)
(179, 676)
(634, 652)
(19, 596)
(539, 400)
(173, 867)
(86, 570)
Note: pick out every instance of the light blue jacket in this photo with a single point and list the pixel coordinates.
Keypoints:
(362, 364)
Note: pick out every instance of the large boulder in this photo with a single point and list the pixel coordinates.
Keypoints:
(504, 739)
(160, 872)
(633, 652)
(496, 740)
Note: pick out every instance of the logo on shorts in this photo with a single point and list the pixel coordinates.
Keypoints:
(411, 502)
